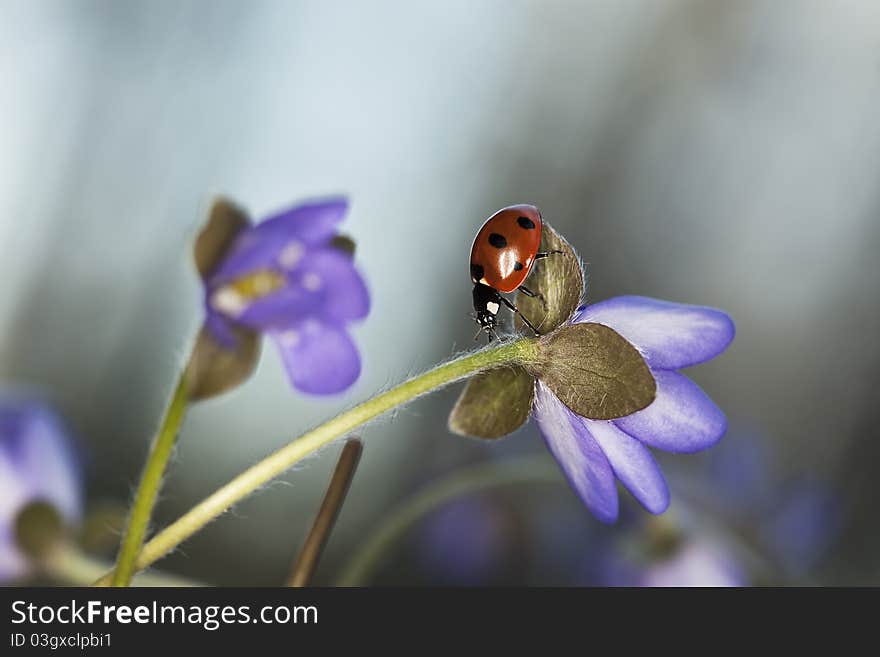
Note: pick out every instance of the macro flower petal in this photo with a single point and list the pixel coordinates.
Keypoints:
(36, 465)
(14, 492)
(331, 273)
(13, 564)
(582, 460)
(669, 335)
(282, 241)
(50, 466)
(633, 464)
(36, 461)
(320, 358)
(14, 495)
(313, 222)
(681, 418)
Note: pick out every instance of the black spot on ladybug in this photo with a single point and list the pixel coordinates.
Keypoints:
(498, 241)
(476, 272)
(518, 266)
(526, 223)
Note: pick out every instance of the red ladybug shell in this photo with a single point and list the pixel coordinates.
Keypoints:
(504, 249)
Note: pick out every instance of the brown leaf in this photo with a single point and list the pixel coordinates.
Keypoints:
(494, 403)
(345, 244)
(559, 278)
(595, 372)
(225, 221)
(214, 369)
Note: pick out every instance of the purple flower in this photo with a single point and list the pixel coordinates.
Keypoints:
(659, 552)
(464, 542)
(695, 563)
(37, 464)
(796, 520)
(804, 526)
(285, 278)
(682, 418)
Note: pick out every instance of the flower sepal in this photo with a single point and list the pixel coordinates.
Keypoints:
(494, 403)
(594, 371)
(558, 280)
(215, 368)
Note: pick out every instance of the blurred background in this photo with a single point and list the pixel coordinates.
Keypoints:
(724, 154)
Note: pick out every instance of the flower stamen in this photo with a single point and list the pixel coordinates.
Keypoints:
(233, 298)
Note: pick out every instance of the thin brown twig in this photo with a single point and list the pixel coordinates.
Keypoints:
(314, 544)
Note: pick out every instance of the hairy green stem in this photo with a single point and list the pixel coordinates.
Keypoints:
(529, 469)
(518, 352)
(151, 481)
(68, 565)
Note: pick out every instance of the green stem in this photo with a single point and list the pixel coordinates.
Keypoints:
(66, 564)
(530, 469)
(518, 352)
(151, 481)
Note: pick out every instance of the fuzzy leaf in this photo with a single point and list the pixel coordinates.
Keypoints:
(559, 278)
(214, 369)
(493, 404)
(595, 371)
(225, 221)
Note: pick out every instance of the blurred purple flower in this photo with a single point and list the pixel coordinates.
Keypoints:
(682, 418)
(283, 277)
(804, 527)
(463, 542)
(739, 477)
(37, 464)
(796, 520)
(659, 552)
(696, 562)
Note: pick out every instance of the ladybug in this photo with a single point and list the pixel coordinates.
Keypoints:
(503, 253)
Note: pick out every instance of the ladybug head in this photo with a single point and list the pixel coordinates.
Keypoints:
(487, 302)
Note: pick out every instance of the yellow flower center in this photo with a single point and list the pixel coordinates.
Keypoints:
(233, 298)
(256, 285)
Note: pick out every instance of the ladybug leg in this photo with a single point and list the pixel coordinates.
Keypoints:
(490, 334)
(521, 316)
(534, 295)
(540, 255)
